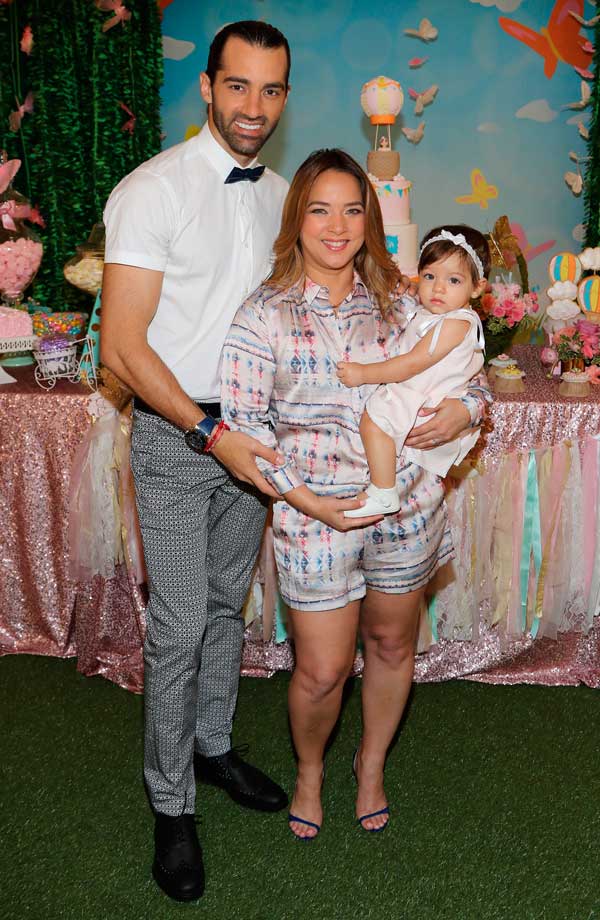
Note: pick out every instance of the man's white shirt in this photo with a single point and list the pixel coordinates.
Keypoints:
(212, 241)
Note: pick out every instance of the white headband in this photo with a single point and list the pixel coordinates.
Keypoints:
(458, 240)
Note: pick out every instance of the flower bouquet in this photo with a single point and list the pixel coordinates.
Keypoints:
(578, 348)
(504, 310)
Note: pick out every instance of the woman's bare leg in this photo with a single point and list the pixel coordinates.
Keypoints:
(388, 627)
(325, 644)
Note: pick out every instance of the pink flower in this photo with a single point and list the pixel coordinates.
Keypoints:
(531, 302)
(593, 373)
(587, 351)
(588, 328)
(498, 310)
(517, 312)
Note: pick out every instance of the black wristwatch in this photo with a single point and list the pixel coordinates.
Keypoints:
(197, 438)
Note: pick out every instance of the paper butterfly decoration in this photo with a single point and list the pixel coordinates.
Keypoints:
(530, 252)
(427, 32)
(15, 118)
(128, 125)
(588, 23)
(414, 135)
(424, 98)
(8, 171)
(26, 43)
(559, 40)
(586, 95)
(122, 14)
(481, 193)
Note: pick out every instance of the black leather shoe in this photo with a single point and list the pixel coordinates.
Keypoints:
(177, 867)
(246, 784)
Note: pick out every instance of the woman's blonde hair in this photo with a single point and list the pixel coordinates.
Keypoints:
(372, 262)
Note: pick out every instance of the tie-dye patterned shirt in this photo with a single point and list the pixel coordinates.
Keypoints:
(279, 382)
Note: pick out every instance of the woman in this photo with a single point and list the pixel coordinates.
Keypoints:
(330, 298)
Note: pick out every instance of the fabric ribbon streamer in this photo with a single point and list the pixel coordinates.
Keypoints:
(532, 540)
(591, 468)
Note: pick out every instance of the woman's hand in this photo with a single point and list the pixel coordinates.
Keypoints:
(405, 286)
(351, 373)
(448, 420)
(328, 509)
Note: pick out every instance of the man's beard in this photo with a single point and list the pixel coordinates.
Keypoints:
(241, 145)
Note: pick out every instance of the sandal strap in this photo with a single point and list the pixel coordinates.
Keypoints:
(375, 814)
(317, 827)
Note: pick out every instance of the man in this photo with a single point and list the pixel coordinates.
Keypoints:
(189, 236)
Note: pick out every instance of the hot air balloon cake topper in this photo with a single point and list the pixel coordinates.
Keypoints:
(382, 99)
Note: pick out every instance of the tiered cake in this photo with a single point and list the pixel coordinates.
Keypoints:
(382, 100)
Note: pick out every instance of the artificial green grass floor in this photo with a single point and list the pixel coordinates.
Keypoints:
(494, 791)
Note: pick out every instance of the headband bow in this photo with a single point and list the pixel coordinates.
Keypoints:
(459, 240)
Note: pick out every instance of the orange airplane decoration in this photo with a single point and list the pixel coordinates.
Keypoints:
(162, 4)
(560, 40)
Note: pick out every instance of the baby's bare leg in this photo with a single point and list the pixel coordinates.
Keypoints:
(381, 453)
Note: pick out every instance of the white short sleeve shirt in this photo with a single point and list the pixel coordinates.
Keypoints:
(212, 241)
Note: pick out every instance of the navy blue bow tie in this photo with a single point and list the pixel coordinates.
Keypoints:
(240, 175)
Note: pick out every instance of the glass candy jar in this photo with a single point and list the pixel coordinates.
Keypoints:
(84, 270)
(20, 248)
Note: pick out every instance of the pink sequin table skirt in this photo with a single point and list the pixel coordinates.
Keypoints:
(42, 611)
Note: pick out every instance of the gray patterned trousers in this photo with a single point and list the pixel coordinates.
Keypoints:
(201, 532)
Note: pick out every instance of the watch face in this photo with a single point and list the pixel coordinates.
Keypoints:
(197, 438)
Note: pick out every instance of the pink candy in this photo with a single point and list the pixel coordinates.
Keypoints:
(14, 323)
(19, 261)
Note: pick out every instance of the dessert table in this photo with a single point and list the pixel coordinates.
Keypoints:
(520, 603)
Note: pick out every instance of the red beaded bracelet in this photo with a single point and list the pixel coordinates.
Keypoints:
(216, 436)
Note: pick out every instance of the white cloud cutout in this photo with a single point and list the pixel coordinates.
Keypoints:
(562, 309)
(578, 233)
(176, 50)
(537, 110)
(488, 127)
(590, 258)
(505, 6)
(562, 290)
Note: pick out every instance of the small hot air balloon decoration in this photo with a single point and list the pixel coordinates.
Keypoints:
(588, 295)
(382, 99)
(565, 266)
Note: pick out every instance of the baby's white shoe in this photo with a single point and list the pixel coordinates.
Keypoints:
(379, 501)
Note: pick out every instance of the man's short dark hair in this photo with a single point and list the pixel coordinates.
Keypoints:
(252, 31)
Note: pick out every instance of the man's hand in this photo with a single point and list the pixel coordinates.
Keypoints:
(350, 373)
(238, 452)
(448, 420)
(330, 511)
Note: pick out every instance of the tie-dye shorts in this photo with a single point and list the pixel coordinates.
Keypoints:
(323, 569)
